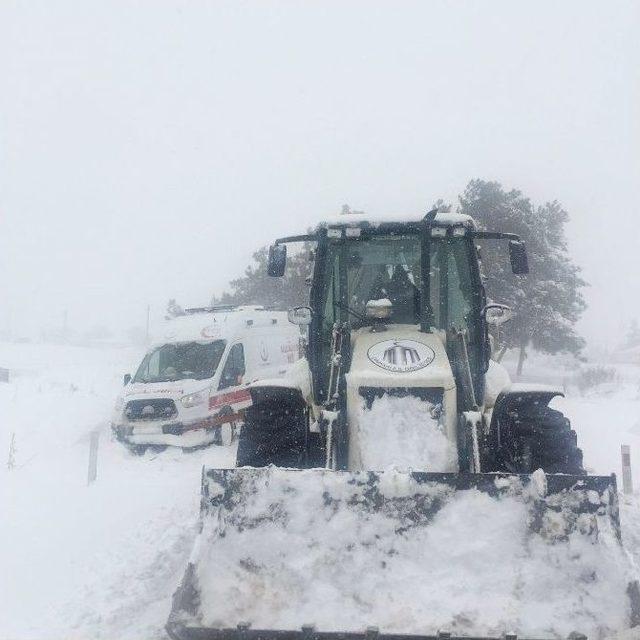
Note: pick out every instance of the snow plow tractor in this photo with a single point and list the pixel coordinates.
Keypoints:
(396, 484)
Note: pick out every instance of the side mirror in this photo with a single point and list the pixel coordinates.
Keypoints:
(518, 257)
(127, 379)
(277, 260)
(497, 314)
(300, 315)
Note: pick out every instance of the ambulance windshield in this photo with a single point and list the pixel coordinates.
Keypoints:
(181, 361)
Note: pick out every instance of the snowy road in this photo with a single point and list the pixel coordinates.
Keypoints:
(102, 561)
(80, 561)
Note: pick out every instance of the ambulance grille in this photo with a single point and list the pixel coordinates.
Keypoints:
(152, 409)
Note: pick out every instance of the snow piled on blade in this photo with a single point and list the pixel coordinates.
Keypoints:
(284, 548)
(402, 433)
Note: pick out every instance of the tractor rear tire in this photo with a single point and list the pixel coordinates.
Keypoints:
(273, 433)
(541, 438)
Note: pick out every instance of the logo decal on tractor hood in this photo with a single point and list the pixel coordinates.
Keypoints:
(401, 356)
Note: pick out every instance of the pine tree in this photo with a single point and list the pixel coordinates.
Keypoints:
(257, 287)
(548, 302)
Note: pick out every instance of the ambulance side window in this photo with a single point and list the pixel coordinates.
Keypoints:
(153, 367)
(233, 368)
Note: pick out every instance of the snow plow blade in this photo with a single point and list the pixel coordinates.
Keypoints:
(242, 632)
(288, 554)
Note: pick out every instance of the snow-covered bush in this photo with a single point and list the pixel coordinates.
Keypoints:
(592, 377)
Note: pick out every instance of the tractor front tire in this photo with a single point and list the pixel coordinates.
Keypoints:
(541, 438)
(273, 433)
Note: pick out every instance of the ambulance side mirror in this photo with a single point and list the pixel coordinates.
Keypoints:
(127, 379)
(277, 260)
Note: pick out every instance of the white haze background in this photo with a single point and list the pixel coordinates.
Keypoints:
(148, 148)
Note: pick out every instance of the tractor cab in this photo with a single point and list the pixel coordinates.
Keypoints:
(414, 278)
(383, 276)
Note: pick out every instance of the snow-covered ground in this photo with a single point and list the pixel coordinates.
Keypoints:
(102, 561)
(78, 561)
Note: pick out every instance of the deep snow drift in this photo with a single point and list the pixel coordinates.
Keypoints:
(102, 561)
(80, 561)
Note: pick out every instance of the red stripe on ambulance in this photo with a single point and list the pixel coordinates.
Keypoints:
(233, 397)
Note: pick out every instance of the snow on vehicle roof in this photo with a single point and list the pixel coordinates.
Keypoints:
(442, 218)
(209, 324)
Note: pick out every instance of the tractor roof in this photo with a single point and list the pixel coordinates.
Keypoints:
(364, 220)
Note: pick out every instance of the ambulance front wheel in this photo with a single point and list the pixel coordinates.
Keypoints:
(226, 432)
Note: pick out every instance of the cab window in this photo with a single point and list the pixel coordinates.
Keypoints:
(234, 369)
(460, 289)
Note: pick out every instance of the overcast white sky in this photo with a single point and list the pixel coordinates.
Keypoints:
(147, 148)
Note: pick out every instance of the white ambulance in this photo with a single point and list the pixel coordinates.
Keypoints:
(191, 388)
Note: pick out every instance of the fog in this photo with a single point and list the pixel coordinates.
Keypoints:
(148, 148)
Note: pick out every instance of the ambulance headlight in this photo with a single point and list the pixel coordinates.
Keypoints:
(194, 399)
(119, 404)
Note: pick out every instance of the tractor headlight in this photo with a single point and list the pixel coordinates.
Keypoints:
(194, 399)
